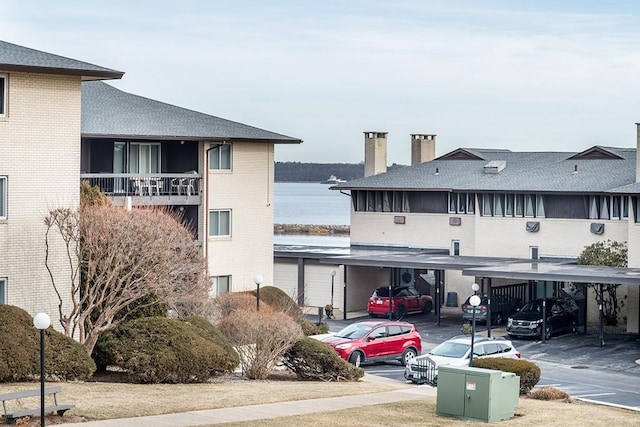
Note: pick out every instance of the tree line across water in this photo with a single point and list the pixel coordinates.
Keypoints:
(319, 172)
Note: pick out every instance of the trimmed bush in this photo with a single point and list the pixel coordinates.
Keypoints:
(312, 328)
(528, 372)
(162, 350)
(313, 360)
(65, 359)
(209, 332)
(280, 301)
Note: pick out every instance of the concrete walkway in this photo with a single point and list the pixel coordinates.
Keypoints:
(268, 410)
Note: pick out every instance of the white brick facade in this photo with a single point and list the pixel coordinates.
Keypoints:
(40, 156)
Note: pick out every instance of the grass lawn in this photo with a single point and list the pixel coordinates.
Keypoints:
(104, 400)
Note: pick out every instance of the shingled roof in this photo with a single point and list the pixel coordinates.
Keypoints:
(565, 172)
(110, 112)
(24, 59)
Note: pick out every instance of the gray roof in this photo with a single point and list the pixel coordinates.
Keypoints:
(110, 112)
(596, 170)
(19, 58)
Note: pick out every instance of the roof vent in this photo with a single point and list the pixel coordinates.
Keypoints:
(495, 166)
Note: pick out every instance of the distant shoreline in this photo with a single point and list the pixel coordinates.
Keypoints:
(312, 229)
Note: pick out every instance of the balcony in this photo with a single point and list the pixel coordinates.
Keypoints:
(148, 189)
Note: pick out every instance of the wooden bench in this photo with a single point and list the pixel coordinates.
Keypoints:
(10, 416)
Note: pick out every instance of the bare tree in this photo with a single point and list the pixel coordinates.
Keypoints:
(117, 259)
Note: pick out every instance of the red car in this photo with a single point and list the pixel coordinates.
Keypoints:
(406, 299)
(376, 340)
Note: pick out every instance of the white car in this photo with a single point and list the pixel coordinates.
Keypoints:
(456, 352)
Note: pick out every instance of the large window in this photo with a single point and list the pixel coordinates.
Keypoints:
(220, 157)
(220, 285)
(3, 291)
(144, 158)
(608, 207)
(3, 197)
(509, 205)
(220, 223)
(3, 95)
(462, 203)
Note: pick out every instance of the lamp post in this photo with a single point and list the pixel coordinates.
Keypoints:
(333, 274)
(41, 321)
(474, 301)
(257, 279)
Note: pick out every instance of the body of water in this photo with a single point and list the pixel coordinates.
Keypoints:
(310, 203)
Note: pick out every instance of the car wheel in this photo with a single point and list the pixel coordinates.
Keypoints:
(401, 312)
(356, 359)
(499, 319)
(513, 337)
(407, 355)
(373, 315)
(427, 308)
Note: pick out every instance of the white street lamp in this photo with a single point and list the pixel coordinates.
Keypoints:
(257, 279)
(41, 321)
(475, 302)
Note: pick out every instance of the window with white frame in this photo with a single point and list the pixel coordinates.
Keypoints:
(3, 197)
(220, 285)
(219, 223)
(220, 157)
(455, 247)
(3, 291)
(3, 95)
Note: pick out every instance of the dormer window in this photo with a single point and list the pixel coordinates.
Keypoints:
(3, 95)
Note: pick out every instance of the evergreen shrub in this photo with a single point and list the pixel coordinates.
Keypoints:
(163, 350)
(313, 360)
(528, 372)
(65, 359)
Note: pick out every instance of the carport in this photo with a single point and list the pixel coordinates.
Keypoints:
(484, 268)
(534, 272)
(416, 259)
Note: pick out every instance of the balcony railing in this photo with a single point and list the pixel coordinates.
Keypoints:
(148, 189)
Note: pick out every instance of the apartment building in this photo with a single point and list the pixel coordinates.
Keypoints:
(59, 124)
(472, 207)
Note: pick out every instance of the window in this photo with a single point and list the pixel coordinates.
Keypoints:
(455, 247)
(3, 291)
(533, 252)
(221, 285)
(220, 157)
(220, 223)
(3, 95)
(461, 203)
(144, 158)
(3, 197)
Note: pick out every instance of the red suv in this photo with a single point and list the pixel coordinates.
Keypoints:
(376, 340)
(406, 299)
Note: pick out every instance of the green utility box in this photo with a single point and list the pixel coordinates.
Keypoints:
(475, 393)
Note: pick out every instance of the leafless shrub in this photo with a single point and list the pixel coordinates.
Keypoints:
(260, 338)
(548, 393)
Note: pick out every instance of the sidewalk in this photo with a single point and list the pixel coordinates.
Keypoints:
(269, 410)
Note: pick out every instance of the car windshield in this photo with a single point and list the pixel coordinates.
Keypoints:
(450, 349)
(354, 331)
(532, 306)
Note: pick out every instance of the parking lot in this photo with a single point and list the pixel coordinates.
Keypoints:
(573, 363)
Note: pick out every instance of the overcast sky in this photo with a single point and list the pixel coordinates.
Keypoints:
(520, 75)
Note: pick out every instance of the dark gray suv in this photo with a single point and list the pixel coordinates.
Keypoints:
(562, 316)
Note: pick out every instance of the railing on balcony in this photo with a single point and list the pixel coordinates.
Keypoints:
(148, 189)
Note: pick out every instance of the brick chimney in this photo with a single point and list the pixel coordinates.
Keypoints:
(423, 148)
(375, 153)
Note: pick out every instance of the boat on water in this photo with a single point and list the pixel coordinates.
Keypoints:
(333, 180)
